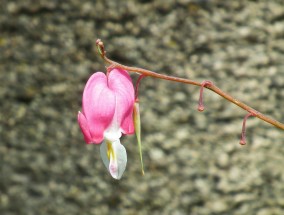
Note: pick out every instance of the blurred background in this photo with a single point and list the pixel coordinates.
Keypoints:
(193, 161)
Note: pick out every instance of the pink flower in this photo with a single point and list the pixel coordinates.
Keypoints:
(107, 113)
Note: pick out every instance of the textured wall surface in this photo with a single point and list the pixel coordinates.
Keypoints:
(193, 162)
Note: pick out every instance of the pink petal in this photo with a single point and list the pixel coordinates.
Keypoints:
(127, 124)
(120, 83)
(98, 105)
(84, 127)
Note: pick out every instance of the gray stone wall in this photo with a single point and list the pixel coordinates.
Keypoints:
(193, 162)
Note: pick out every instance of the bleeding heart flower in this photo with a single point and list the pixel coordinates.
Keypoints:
(108, 102)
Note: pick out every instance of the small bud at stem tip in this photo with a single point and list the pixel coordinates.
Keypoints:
(200, 102)
(243, 136)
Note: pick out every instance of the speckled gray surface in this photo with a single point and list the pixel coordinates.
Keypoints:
(193, 162)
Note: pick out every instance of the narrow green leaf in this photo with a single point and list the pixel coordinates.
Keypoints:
(137, 125)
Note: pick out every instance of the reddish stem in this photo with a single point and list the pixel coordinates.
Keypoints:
(108, 69)
(137, 85)
(102, 52)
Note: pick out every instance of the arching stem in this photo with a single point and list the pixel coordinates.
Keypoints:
(102, 52)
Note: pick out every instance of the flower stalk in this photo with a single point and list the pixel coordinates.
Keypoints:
(110, 109)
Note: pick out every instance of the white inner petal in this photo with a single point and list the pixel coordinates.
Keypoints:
(114, 157)
(118, 162)
(104, 154)
(113, 132)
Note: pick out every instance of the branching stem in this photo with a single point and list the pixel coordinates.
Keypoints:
(212, 87)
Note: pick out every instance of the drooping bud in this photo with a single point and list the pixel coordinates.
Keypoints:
(200, 102)
(243, 136)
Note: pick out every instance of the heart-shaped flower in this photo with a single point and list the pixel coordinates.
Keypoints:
(108, 102)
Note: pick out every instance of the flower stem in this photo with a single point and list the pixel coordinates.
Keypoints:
(212, 87)
(137, 85)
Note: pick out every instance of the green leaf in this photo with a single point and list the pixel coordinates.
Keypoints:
(137, 125)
